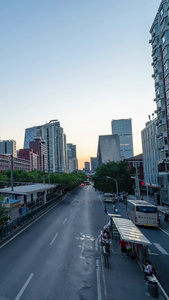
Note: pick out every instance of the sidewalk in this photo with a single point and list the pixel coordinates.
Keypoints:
(124, 279)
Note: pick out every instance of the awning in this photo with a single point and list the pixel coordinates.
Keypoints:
(129, 232)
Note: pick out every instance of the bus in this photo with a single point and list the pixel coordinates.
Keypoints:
(142, 213)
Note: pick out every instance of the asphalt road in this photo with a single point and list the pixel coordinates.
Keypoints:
(56, 257)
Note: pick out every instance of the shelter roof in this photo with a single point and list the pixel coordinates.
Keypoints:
(28, 189)
(129, 232)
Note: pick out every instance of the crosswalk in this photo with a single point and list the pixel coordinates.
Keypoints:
(160, 248)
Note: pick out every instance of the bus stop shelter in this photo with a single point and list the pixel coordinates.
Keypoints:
(126, 230)
(38, 192)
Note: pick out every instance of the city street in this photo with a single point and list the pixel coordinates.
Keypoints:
(59, 257)
(55, 258)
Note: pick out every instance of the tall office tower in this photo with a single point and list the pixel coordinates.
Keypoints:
(108, 149)
(160, 55)
(72, 159)
(93, 163)
(8, 147)
(53, 135)
(123, 128)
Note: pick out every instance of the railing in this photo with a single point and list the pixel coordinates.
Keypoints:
(13, 225)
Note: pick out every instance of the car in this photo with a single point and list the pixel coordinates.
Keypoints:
(108, 197)
(82, 184)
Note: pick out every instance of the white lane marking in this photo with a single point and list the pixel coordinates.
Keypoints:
(98, 274)
(98, 280)
(163, 291)
(161, 249)
(54, 238)
(24, 287)
(30, 224)
(64, 221)
(163, 231)
(70, 211)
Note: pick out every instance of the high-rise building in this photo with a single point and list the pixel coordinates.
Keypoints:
(108, 149)
(87, 166)
(123, 127)
(150, 152)
(71, 157)
(54, 138)
(160, 55)
(31, 156)
(93, 163)
(39, 146)
(8, 147)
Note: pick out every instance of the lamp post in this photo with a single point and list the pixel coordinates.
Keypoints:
(117, 190)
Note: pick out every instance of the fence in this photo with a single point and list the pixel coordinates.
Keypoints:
(10, 227)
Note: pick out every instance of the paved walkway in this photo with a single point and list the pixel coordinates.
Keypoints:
(124, 279)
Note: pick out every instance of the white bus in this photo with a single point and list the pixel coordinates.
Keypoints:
(142, 213)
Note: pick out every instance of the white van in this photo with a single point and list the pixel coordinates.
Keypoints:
(108, 197)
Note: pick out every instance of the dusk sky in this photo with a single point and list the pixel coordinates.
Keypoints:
(83, 62)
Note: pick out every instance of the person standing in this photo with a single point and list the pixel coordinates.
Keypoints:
(123, 246)
(148, 269)
(105, 210)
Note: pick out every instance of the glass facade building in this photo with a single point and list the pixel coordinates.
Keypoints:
(123, 128)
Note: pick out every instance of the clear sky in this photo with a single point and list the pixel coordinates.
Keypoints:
(83, 62)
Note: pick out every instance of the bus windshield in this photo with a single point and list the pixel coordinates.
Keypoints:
(146, 209)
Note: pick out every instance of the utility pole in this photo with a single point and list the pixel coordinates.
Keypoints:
(11, 172)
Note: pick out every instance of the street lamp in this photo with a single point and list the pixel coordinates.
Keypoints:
(117, 190)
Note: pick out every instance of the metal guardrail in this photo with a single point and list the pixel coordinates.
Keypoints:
(16, 224)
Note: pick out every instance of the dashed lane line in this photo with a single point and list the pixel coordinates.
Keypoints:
(54, 238)
(64, 221)
(24, 287)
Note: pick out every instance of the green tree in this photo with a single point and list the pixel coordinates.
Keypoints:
(118, 171)
(5, 213)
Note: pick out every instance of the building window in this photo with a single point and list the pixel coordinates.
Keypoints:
(165, 36)
(166, 65)
(167, 94)
(166, 51)
(167, 80)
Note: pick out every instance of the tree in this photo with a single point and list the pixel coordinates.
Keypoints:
(117, 170)
(5, 212)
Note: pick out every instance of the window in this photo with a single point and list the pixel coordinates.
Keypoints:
(166, 51)
(163, 9)
(146, 209)
(167, 80)
(166, 65)
(167, 94)
(165, 36)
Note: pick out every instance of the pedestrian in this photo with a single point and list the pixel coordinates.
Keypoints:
(123, 246)
(107, 246)
(105, 210)
(147, 269)
(128, 248)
